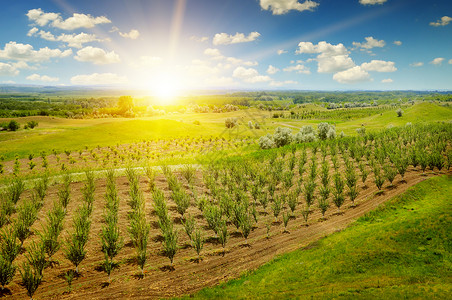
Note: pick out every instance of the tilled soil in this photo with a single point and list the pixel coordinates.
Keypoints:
(188, 275)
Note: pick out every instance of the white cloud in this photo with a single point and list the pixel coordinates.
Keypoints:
(226, 39)
(387, 80)
(370, 43)
(77, 40)
(397, 43)
(42, 18)
(282, 83)
(331, 58)
(450, 61)
(32, 31)
(97, 56)
(99, 79)
(8, 70)
(25, 52)
(37, 77)
(280, 7)
(249, 75)
(417, 64)
(213, 52)
(281, 51)
(442, 22)
(9, 82)
(200, 39)
(300, 69)
(352, 75)
(379, 66)
(272, 70)
(133, 34)
(372, 2)
(437, 61)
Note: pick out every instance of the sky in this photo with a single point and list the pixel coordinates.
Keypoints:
(166, 46)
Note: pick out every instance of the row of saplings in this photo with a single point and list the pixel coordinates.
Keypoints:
(231, 202)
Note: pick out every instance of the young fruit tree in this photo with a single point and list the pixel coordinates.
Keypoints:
(338, 192)
(7, 272)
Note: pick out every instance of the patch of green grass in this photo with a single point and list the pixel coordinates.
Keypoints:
(401, 250)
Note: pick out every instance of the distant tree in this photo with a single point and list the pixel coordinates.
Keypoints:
(13, 125)
(125, 104)
(399, 112)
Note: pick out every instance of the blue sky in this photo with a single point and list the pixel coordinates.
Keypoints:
(170, 45)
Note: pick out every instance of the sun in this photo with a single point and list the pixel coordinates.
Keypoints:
(166, 87)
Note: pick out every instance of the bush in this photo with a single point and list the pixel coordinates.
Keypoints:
(282, 136)
(13, 125)
(31, 125)
(326, 131)
(399, 112)
(230, 122)
(306, 134)
(266, 142)
(7, 271)
(30, 279)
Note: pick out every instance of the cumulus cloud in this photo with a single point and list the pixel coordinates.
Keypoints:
(99, 79)
(25, 52)
(272, 70)
(199, 39)
(397, 43)
(372, 2)
(352, 75)
(387, 80)
(97, 56)
(300, 69)
(379, 66)
(226, 39)
(45, 78)
(132, 34)
(441, 22)
(32, 31)
(249, 75)
(41, 18)
(72, 40)
(281, 51)
(280, 7)
(8, 70)
(437, 61)
(331, 58)
(215, 54)
(370, 43)
(417, 64)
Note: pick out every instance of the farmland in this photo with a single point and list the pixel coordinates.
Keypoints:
(177, 202)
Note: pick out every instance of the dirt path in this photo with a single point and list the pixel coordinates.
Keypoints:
(188, 276)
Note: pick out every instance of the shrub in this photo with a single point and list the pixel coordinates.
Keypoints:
(306, 134)
(399, 112)
(212, 214)
(292, 201)
(309, 189)
(170, 244)
(182, 201)
(15, 190)
(223, 235)
(36, 257)
(189, 225)
(390, 173)
(326, 131)
(13, 125)
(51, 232)
(9, 247)
(305, 214)
(364, 172)
(282, 136)
(198, 242)
(277, 206)
(361, 131)
(338, 192)
(30, 279)
(245, 225)
(230, 122)
(7, 271)
(286, 218)
(31, 124)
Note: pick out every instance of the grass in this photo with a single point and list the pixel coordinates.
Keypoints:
(69, 134)
(402, 250)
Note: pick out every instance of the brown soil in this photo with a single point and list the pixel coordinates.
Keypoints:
(188, 275)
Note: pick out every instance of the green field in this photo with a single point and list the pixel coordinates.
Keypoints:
(74, 134)
(400, 251)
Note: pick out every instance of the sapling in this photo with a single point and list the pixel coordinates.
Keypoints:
(364, 171)
(170, 244)
(338, 192)
(379, 179)
(9, 247)
(323, 201)
(402, 165)
(263, 199)
(7, 271)
(65, 191)
(198, 242)
(286, 218)
(30, 279)
(15, 189)
(41, 186)
(292, 201)
(390, 173)
(305, 213)
(189, 225)
(351, 180)
(150, 174)
(276, 207)
(36, 257)
(182, 201)
(223, 235)
(309, 189)
(245, 226)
